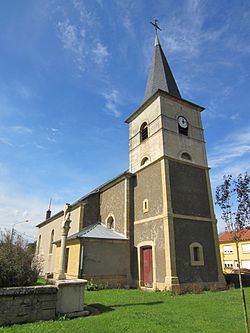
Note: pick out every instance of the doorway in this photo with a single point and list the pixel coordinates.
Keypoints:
(147, 267)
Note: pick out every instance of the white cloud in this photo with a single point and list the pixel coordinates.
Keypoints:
(20, 129)
(17, 206)
(79, 38)
(113, 100)
(85, 16)
(232, 147)
(184, 32)
(230, 156)
(10, 135)
(22, 90)
(72, 38)
(100, 54)
(100, 3)
(6, 142)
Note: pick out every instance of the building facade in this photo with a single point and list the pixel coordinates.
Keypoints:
(154, 225)
(228, 251)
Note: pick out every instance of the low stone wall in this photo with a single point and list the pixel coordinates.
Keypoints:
(27, 304)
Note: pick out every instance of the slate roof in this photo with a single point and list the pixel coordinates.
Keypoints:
(97, 230)
(160, 75)
(228, 236)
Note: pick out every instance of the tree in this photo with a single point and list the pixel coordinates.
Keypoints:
(233, 198)
(18, 263)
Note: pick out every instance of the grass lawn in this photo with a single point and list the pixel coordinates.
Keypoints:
(148, 312)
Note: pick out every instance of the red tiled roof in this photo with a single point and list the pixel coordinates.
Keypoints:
(228, 236)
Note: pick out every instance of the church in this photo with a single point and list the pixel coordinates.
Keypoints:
(153, 226)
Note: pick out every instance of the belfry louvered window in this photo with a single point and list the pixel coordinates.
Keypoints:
(144, 131)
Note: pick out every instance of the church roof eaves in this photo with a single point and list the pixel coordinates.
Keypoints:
(158, 93)
(102, 187)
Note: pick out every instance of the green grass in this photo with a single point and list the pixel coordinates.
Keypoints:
(148, 312)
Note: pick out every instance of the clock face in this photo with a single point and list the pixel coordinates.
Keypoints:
(182, 122)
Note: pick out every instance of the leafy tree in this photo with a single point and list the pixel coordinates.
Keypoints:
(233, 197)
(18, 263)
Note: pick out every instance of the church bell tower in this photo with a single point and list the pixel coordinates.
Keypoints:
(173, 207)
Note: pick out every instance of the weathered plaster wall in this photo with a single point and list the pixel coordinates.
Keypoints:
(152, 147)
(91, 210)
(189, 191)
(152, 231)
(174, 143)
(48, 259)
(103, 258)
(187, 232)
(148, 185)
(112, 202)
(73, 259)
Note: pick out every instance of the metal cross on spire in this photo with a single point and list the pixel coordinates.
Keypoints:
(155, 24)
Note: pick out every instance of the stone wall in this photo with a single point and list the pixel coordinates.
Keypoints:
(27, 304)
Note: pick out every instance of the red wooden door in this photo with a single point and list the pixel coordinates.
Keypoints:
(147, 267)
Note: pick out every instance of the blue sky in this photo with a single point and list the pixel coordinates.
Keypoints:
(72, 71)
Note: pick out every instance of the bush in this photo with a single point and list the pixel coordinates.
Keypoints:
(18, 264)
(92, 286)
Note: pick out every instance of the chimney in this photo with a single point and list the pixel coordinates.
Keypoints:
(48, 212)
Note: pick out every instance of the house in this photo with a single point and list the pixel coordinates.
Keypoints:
(152, 226)
(228, 250)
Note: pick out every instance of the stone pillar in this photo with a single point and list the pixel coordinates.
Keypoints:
(65, 230)
(70, 297)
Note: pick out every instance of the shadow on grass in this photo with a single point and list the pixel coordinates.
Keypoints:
(103, 308)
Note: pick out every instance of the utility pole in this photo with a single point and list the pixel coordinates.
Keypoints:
(13, 229)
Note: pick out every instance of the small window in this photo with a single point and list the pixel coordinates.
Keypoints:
(245, 264)
(144, 131)
(196, 254)
(236, 264)
(51, 241)
(186, 156)
(228, 264)
(228, 249)
(110, 222)
(246, 248)
(144, 161)
(145, 205)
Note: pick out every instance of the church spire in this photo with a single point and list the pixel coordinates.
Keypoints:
(160, 75)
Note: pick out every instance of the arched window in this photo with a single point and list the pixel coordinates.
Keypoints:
(51, 241)
(110, 222)
(186, 156)
(144, 161)
(196, 254)
(39, 244)
(144, 131)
